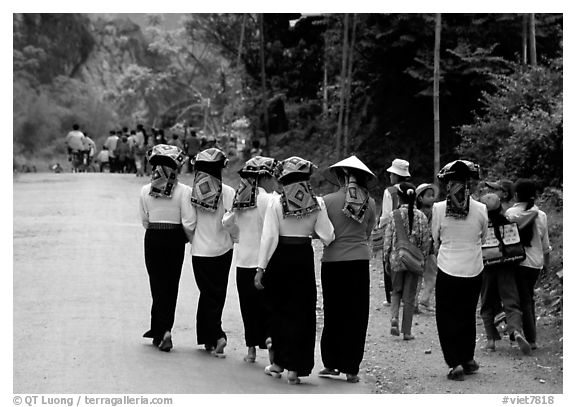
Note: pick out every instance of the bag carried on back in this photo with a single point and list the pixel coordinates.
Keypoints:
(408, 253)
(502, 245)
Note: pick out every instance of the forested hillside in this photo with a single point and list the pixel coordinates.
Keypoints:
(107, 72)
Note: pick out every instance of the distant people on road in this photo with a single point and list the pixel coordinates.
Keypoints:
(533, 225)
(404, 281)
(459, 228)
(244, 222)
(139, 150)
(255, 150)
(103, 159)
(167, 216)
(76, 145)
(345, 272)
(286, 268)
(122, 154)
(192, 147)
(89, 150)
(110, 144)
(211, 247)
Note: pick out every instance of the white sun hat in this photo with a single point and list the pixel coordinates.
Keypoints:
(399, 167)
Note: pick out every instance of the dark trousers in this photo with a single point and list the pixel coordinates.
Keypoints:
(456, 301)
(252, 308)
(404, 285)
(387, 281)
(211, 275)
(113, 164)
(164, 255)
(346, 298)
(499, 287)
(526, 278)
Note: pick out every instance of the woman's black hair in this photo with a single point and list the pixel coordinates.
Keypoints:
(407, 195)
(525, 190)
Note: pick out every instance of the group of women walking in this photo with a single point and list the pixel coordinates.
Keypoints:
(270, 219)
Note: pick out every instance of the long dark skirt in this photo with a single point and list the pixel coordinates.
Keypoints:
(164, 255)
(346, 297)
(252, 308)
(211, 274)
(291, 286)
(456, 301)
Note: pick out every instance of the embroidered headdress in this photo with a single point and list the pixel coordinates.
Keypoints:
(207, 184)
(247, 191)
(165, 160)
(297, 196)
(458, 175)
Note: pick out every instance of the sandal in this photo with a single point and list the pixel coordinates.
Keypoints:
(328, 372)
(394, 328)
(251, 356)
(219, 350)
(470, 367)
(352, 378)
(293, 377)
(268, 370)
(456, 373)
(166, 344)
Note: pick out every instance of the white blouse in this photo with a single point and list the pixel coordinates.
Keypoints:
(276, 225)
(162, 210)
(205, 230)
(460, 240)
(247, 224)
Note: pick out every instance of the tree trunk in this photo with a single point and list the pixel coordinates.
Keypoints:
(347, 105)
(532, 39)
(325, 85)
(437, 94)
(342, 87)
(239, 58)
(263, 77)
(524, 39)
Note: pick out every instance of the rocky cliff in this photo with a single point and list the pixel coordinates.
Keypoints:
(118, 43)
(95, 51)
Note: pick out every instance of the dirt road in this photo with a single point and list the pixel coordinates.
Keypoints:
(81, 304)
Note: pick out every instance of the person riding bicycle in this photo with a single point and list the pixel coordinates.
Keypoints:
(75, 142)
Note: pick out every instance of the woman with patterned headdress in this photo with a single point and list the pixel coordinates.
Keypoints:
(286, 268)
(459, 228)
(346, 269)
(165, 211)
(257, 184)
(211, 247)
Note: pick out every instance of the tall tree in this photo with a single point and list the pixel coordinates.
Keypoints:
(263, 79)
(347, 105)
(436, 92)
(240, 45)
(524, 38)
(532, 39)
(343, 73)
